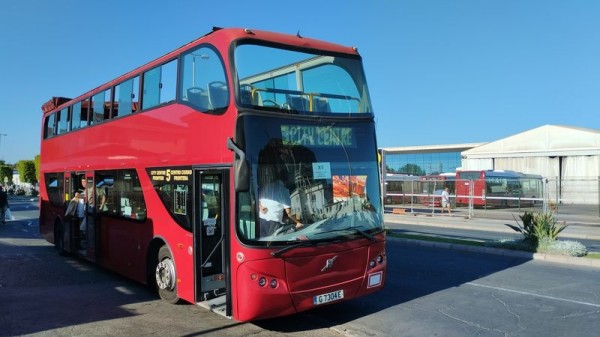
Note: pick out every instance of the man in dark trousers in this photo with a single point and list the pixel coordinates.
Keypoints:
(3, 204)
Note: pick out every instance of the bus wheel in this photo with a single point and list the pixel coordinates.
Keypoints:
(166, 280)
(59, 238)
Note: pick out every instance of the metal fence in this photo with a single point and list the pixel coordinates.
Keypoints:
(417, 196)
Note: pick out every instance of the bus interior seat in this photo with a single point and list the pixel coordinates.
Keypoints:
(297, 103)
(321, 104)
(246, 96)
(217, 95)
(197, 97)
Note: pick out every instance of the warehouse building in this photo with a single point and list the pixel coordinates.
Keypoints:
(567, 157)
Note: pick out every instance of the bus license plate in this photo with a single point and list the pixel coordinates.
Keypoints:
(325, 298)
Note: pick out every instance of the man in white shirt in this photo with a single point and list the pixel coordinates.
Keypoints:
(446, 201)
(274, 200)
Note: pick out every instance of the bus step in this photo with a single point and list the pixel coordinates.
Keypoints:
(216, 305)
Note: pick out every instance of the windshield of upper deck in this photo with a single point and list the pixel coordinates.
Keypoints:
(299, 82)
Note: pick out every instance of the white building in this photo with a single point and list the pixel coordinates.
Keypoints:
(568, 157)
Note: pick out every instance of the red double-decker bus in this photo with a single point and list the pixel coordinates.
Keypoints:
(171, 169)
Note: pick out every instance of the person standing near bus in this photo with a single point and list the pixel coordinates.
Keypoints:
(3, 204)
(76, 207)
(91, 196)
(91, 202)
(446, 201)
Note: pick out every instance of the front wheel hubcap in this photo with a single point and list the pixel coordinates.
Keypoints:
(165, 275)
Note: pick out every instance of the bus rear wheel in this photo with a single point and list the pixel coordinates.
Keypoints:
(166, 278)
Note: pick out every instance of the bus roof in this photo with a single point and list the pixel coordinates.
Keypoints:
(220, 37)
(501, 173)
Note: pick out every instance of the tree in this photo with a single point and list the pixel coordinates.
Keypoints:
(412, 169)
(6, 171)
(26, 169)
(36, 162)
(390, 169)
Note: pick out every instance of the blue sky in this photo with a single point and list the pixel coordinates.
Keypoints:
(439, 71)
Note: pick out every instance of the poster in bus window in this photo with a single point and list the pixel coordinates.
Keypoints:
(180, 199)
(321, 170)
(345, 187)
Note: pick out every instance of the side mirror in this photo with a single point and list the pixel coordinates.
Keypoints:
(240, 167)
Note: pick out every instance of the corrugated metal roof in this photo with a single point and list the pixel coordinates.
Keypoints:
(546, 140)
(431, 148)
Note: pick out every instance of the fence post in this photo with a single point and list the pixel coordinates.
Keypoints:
(558, 191)
(546, 196)
(471, 191)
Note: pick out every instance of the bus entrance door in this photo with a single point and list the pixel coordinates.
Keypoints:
(209, 234)
(88, 227)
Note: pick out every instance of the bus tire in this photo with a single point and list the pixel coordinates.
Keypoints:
(166, 277)
(59, 238)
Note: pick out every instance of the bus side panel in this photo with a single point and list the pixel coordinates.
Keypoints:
(160, 225)
(47, 216)
(123, 246)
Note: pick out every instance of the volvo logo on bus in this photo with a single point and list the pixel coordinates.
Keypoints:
(329, 263)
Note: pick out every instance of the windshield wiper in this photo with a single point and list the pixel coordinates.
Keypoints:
(363, 233)
(353, 229)
(304, 243)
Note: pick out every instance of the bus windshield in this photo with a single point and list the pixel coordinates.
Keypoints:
(292, 81)
(309, 181)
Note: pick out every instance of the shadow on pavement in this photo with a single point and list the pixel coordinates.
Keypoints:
(410, 275)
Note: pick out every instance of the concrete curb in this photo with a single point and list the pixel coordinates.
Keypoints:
(470, 224)
(569, 260)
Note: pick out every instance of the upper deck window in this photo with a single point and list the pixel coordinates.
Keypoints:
(126, 101)
(204, 82)
(299, 82)
(159, 85)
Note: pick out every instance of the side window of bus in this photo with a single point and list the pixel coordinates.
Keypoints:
(159, 85)
(50, 127)
(79, 115)
(122, 192)
(105, 182)
(76, 116)
(204, 83)
(54, 188)
(131, 198)
(175, 199)
(63, 120)
(126, 98)
(247, 225)
(101, 106)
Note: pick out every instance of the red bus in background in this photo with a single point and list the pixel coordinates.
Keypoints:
(173, 159)
(498, 188)
(432, 187)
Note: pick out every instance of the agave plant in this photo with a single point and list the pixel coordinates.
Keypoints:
(526, 228)
(547, 226)
(535, 227)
